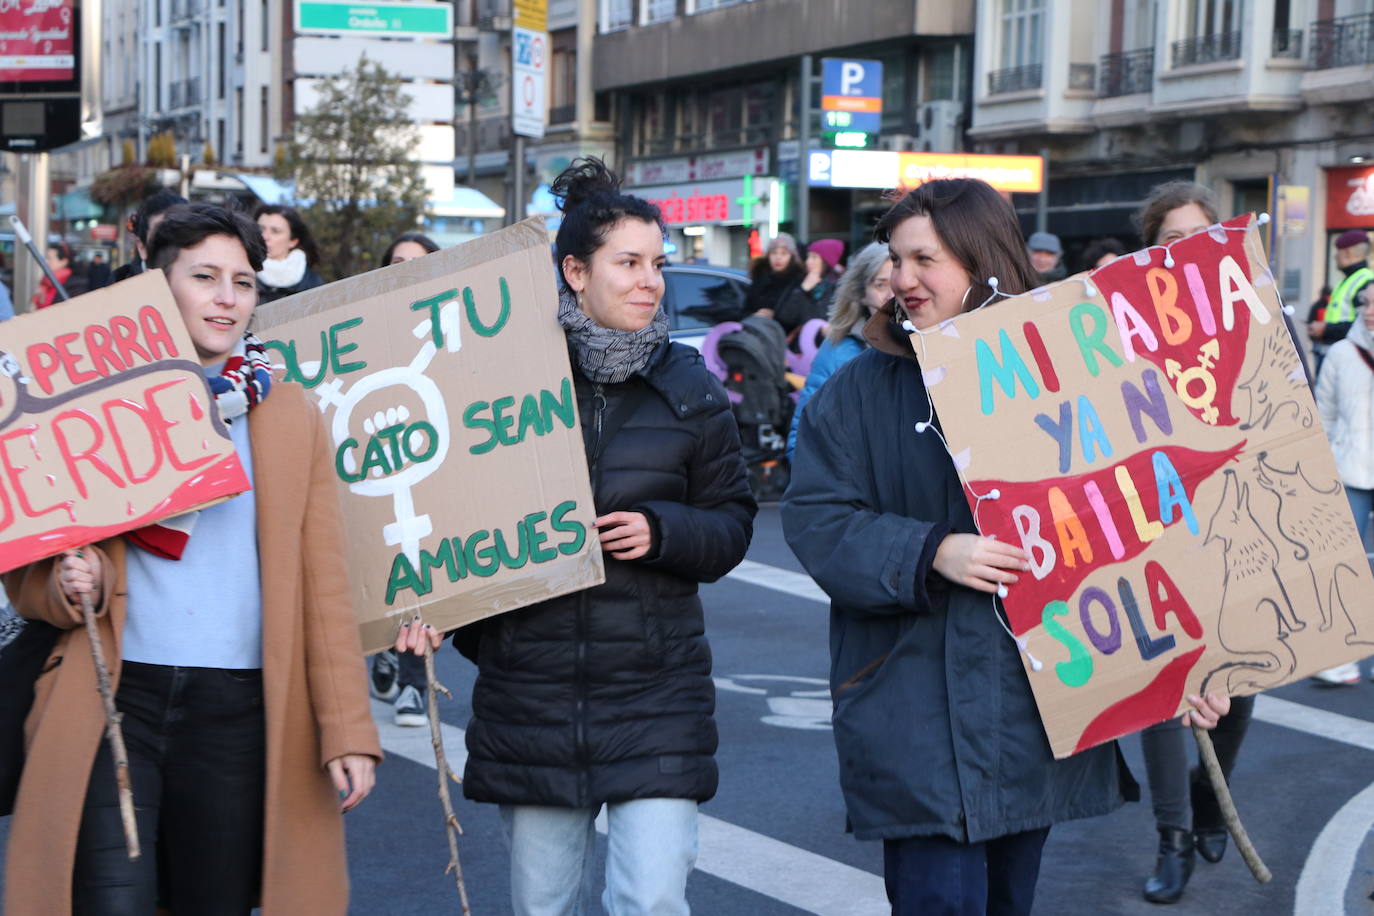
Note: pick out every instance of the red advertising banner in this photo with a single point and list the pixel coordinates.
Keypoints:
(1350, 197)
(37, 40)
(106, 422)
(1146, 434)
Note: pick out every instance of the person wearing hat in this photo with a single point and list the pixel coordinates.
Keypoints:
(1334, 321)
(775, 291)
(1046, 256)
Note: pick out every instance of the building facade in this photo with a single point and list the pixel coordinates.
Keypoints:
(706, 99)
(1258, 99)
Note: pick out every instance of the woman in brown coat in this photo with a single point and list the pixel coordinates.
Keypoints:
(234, 652)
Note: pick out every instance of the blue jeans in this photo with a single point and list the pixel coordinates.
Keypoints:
(1361, 503)
(651, 848)
(937, 876)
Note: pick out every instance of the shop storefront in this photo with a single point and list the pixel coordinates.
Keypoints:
(717, 208)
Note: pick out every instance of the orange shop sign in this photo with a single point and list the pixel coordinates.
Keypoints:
(840, 168)
(1350, 197)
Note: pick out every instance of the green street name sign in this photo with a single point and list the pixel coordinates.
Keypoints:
(394, 20)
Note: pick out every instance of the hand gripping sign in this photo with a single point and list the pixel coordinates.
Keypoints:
(446, 387)
(1145, 432)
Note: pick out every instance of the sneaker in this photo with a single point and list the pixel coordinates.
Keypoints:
(385, 669)
(1347, 675)
(410, 708)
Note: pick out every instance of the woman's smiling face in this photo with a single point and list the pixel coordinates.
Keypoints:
(620, 287)
(927, 281)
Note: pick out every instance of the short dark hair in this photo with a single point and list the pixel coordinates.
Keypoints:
(419, 238)
(64, 251)
(977, 226)
(1170, 196)
(299, 230)
(153, 204)
(592, 203)
(1096, 250)
(187, 225)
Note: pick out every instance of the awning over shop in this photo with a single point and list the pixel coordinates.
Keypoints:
(76, 205)
(467, 203)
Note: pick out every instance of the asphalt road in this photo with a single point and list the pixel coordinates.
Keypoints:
(773, 840)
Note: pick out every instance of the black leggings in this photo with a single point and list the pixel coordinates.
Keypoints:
(197, 751)
(1167, 760)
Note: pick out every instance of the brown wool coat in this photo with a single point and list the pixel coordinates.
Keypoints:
(314, 683)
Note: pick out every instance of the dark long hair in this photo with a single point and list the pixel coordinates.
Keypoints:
(592, 203)
(299, 230)
(419, 238)
(978, 228)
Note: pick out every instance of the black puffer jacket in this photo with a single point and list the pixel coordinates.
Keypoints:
(605, 695)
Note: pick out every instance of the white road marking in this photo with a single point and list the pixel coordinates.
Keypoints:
(1330, 863)
(779, 580)
(751, 860)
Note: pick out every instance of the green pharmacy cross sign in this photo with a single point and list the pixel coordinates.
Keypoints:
(394, 20)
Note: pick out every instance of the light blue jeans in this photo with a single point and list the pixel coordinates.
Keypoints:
(651, 848)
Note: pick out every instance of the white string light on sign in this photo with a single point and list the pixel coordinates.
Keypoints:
(961, 460)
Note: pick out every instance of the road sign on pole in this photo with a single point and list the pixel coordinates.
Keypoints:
(529, 102)
(393, 20)
(851, 95)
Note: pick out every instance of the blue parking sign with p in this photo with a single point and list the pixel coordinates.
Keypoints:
(852, 94)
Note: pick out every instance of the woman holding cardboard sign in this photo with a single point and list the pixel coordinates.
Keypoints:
(942, 754)
(604, 697)
(233, 649)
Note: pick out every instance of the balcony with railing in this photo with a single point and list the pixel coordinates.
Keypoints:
(1344, 42)
(1206, 49)
(1126, 73)
(1015, 79)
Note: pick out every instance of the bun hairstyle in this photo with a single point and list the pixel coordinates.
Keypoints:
(592, 203)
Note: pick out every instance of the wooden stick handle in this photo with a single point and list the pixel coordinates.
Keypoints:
(436, 737)
(113, 732)
(1228, 807)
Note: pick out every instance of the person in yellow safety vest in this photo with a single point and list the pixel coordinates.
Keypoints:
(1352, 257)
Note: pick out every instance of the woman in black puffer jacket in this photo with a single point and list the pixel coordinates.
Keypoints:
(604, 696)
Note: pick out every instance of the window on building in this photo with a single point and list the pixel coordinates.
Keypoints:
(265, 12)
(238, 124)
(657, 11)
(263, 128)
(760, 104)
(219, 138)
(942, 74)
(562, 85)
(617, 14)
(725, 117)
(220, 63)
(1212, 17)
(702, 6)
(157, 77)
(1022, 33)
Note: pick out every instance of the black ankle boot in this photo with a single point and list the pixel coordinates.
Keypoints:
(1209, 827)
(1173, 868)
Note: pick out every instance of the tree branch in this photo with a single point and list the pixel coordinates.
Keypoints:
(436, 736)
(113, 732)
(1228, 807)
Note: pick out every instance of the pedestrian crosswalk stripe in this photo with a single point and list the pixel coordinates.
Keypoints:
(808, 881)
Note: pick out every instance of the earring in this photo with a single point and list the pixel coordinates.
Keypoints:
(963, 303)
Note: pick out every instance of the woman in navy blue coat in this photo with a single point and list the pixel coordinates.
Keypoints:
(941, 751)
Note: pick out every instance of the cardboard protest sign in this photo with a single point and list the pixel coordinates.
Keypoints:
(1148, 437)
(445, 385)
(106, 422)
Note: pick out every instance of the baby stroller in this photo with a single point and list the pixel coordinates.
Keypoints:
(754, 357)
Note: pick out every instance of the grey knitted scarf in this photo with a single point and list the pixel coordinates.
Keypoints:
(605, 355)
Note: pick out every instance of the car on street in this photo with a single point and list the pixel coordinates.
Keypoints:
(697, 297)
